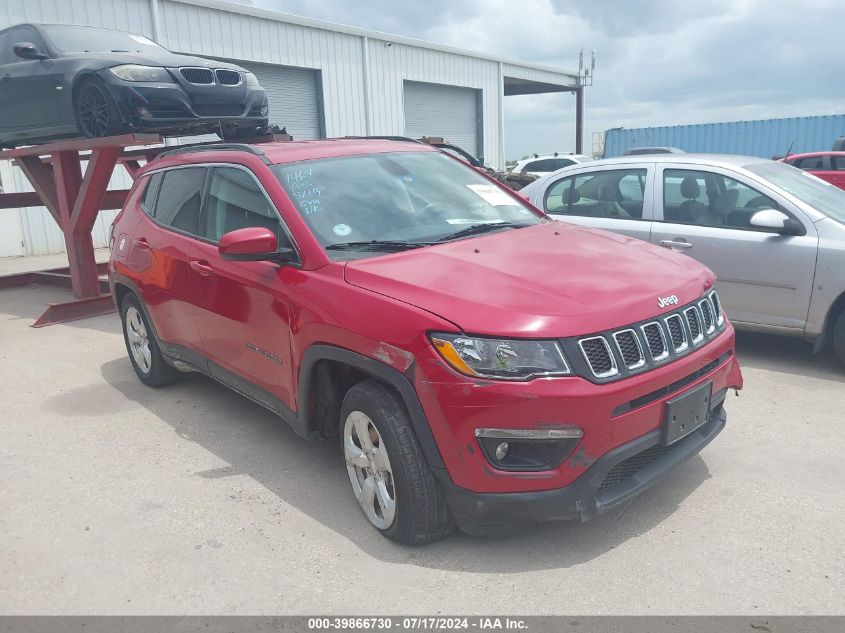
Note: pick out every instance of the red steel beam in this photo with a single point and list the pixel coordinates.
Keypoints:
(81, 144)
(41, 178)
(113, 199)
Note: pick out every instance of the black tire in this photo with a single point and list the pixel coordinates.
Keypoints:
(240, 133)
(159, 372)
(839, 336)
(421, 514)
(96, 112)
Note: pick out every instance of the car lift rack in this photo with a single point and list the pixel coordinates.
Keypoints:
(74, 199)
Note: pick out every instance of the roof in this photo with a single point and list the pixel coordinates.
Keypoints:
(280, 152)
(266, 14)
(728, 160)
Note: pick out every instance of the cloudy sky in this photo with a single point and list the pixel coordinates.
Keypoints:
(659, 62)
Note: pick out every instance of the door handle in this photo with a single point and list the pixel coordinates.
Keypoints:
(141, 242)
(678, 243)
(202, 267)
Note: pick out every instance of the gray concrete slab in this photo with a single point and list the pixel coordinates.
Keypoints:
(120, 499)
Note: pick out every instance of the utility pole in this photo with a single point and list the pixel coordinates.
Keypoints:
(585, 78)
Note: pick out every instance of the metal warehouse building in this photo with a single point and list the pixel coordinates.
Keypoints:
(322, 80)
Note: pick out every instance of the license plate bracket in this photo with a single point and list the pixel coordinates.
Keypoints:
(686, 412)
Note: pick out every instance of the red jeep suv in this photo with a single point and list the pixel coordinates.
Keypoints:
(482, 365)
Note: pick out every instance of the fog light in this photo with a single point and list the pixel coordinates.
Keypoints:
(528, 449)
(144, 111)
(263, 110)
(502, 451)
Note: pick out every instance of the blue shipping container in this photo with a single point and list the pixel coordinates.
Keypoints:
(765, 138)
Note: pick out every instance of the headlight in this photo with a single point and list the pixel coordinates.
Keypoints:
(503, 359)
(251, 80)
(133, 72)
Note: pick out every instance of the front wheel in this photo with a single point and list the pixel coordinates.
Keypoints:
(387, 470)
(96, 112)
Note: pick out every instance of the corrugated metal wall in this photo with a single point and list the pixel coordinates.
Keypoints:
(765, 138)
(354, 102)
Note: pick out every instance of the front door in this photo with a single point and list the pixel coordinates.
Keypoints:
(243, 309)
(763, 278)
(31, 99)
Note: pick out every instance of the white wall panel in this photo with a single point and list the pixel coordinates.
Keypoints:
(242, 33)
(131, 15)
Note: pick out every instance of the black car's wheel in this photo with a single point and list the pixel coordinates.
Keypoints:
(96, 111)
(387, 470)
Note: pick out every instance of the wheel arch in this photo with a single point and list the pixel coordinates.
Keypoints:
(345, 368)
(836, 309)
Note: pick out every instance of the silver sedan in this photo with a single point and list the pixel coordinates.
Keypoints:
(774, 235)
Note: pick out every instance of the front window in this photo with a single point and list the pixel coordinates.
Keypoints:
(822, 196)
(83, 39)
(415, 198)
(706, 198)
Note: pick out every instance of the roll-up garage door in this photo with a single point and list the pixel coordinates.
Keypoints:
(293, 95)
(447, 111)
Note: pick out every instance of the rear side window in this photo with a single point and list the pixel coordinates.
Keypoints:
(612, 193)
(810, 163)
(180, 198)
(148, 202)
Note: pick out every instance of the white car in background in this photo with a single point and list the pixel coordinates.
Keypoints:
(543, 164)
(773, 234)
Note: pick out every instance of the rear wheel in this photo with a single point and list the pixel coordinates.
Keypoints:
(96, 112)
(141, 345)
(839, 336)
(387, 470)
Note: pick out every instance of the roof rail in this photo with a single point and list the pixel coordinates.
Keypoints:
(406, 139)
(214, 147)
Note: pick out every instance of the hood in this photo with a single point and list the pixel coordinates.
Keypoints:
(158, 58)
(551, 280)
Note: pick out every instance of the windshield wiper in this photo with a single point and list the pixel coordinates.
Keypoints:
(482, 227)
(376, 245)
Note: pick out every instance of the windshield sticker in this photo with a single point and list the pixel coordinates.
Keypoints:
(407, 179)
(471, 221)
(342, 230)
(491, 194)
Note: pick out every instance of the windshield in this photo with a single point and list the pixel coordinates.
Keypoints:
(80, 39)
(408, 196)
(822, 196)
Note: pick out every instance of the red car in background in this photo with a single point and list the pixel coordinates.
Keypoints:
(829, 166)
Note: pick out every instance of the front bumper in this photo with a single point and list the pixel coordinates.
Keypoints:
(178, 105)
(614, 478)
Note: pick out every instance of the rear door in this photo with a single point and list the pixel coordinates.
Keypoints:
(763, 278)
(160, 256)
(243, 308)
(616, 198)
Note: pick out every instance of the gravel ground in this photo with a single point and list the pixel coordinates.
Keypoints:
(119, 499)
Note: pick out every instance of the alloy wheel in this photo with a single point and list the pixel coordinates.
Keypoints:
(139, 341)
(93, 111)
(368, 466)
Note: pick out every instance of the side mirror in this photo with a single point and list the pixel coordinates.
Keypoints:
(253, 244)
(776, 221)
(28, 50)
